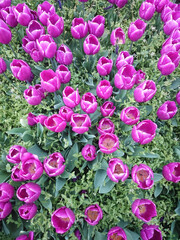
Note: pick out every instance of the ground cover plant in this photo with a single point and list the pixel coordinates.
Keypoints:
(90, 96)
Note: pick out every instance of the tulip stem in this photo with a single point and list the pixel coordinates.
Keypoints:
(117, 48)
(130, 47)
(159, 78)
(12, 50)
(83, 6)
(60, 4)
(53, 65)
(109, 7)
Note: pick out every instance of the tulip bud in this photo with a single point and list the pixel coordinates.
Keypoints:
(130, 115)
(47, 46)
(108, 143)
(107, 109)
(145, 91)
(138, 76)
(93, 214)
(116, 233)
(96, 26)
(160, 4)
(167, 110)
(71, 98)
(21, 70)
(117, 37)
(172, 22)
(55, 123)
(32, 96)
(40, 119)
(3, 66)
(30, 119)
(34, 30)
(30, 236)
(9, 17)
(45, 10)
(121, 3)
(77, 232)
(171, 172)
(178, 98)
(15, 154)
(79, 28)
(16, 174)
(7, 192)
(5, 3)
(168, 63)
(91, 45)
(66, 113)
(50, 81)
(27, 211)
(105, 126)
(150, 232)
(89, 152)
(147, 10)
(88, 103)
(136, 30)
(64, 55)
(80, 123)
(5, 209)
(55, 25)
(28, 192)
(104, 66)
(117, 170)
(124, 58)
(63, 74)
(22, 14)
(5, 33)
(104, 89)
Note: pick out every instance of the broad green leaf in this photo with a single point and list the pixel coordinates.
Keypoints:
(100, 236)
(157, 177)
(59, 184)
(177, 210)
(35, 149)
(149, 155)
(107, 187)
(118, 153)
(70, 160)
(17, 131)
(131, 235)
(175, 84)
(158, 190)
(4, 176)
(99, 177)
(45, 202)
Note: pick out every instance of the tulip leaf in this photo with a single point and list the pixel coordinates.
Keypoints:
(45, 202)
(131, 235)
(107, 187)
(177, 151)
(17, 131)
(3, 176)
(70, 160)
(157, 177)
(99, 178)
(177, 210)
(59, 184)
(149, 155)
(118, 153)
(40, 130)
(100, 236)
(158, 190)
(35, 149)
(175, 84)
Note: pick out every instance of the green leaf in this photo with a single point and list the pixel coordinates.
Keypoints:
(157, 177)
(100, 236)
(40, 130)
(4, 176)
(107, 187)
(35, 149)
(149, 155)
(59, 184)
(175, 84)
(99, 178)
(17, 131)
(118, 153)
(131, 235)
(158, 190)
(65, 174)
(177, 210)
(177, 151)
(122, 224)
(70, 160)
(45, 202)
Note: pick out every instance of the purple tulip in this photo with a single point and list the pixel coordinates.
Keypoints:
(34, 30)
(16, 174)
(171, 172)
(79, 28)
(71, 97)
(41, 90)
(21, 70)
(22, 14)
(121, 3)
(160, 4)
(32, 96)
(93, 214)
(30, 236)
(105, 126)
(15, 154)
(144, 132)
(28, 192)
(77, 232)
(107, 109)
(63, 74)
(136, 30)
(108, 143)
(91, 45)
(55, 123)
(5, 3)
(6, 192)
(31, 119)
(64, 55)
(47, 46)
(167, 110)
(117, 36)
(178, 98)
(96, 26)
(83, 0)
(55, 25)
(124, 58)
(104, 66)
(27, 211)
(147, 10)
(168, 8)
(66, 113)
(5, 33)
(144, 209)
(172, 44)
(54, 164)
(3, 65)
(139, 75)
(88, 103)
(117, 170)
(143, 176)
(80, 123)
(104, 89)
(89, 152)
(172, 22)
(50, 81)
(130, 115)
(150, 232)
(62, 219)
(145, 91)
(40, 119)
(28, 45)
(124, 77)
(116, 233)
(5, 209)
(8, 16)
(45, 10)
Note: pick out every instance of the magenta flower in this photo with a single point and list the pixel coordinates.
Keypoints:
(178, 98)
(41, 90)
(55, 123)
(150, 232)
(144, 132)
(30, 236)
(55, 25)
(105, 126)
(143, 176)
(89, 152)
(64, 55)
(167, 110)
(66, 113)
(31, 119)
(28, 192)
(96, 26)
(167, 10)
(171, 44)
(139, 75)
(104, 66)
(21, 70)
(15, 154)
(22, 14)
(79, 28)
(16, 174)
(5, 3)
(77, 232)
(104, 89)
(5, 209)
(63, 74)
(91, 45)
(121, 3)
(27, 211)
(71, 97)
(5, 33)
(117, 170)
(144, 209)
(171, 172)
(116, 233)
(80, 123)
(136, 30)
(172, 22)
(45, 10)
(6, 192)
(117, 36)
(93, 214)
(160, 4)
(145, 91)
(8, 16)
(32, 96)
(62, 219)
(50, 81)
(46, 46)
(107, 109)
(3, 65)
(147, 10)
(168, 63)
(88, 103)
(40, 119)
(34, 30)
(130, 115)
(54, 164)
(124, 58)
(108, 143)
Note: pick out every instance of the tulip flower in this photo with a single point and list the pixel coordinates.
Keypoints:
(55, 25)
(8, 16)
(62, 219)
(88, 103)
(5, 3)
(107, 109)
(16, 173)
(41, 90)
(121, 3)
(28, 192)
(21, 70)
(7, 192)
(117, 37)
(178, 98)
(64, 55)
(96, 26)
(80, 123)
(5, 33)
(93, 214)
(143, 176)
(160, 4)
(3, 65)
(45, 10)
(168, 8)
(22, 14)
(79, 28)
(5, 209)
(15, 154)
(63, 73)
(117, 170)
(124, 58)
(31, 119)
(30, 236)
(145, 91)
(150, 232)
(144, 132)
(172, 22)
(167, 110)
(104, 66)
(104, 89)
(130, 115)
(91, 45)
(32, 96)
(55, 123)
(71, 97)
(27, 211)
(171, 172)
(105, 126)
(138, 76)
(116, 233)
(144, 209)
(77, 232)
(54, 164)
(89, 152)
(46, 46)
(171, 44)
(108, 143)
(147, 10)
(40, 119)
(83, 0)
(66, 113)
(34, 30)
(136, 30)
(31, 48)
(50, 81)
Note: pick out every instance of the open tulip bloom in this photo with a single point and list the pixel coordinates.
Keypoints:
(145, 91)
(105, 126)
(116, 233)
(28, 192)
(136, 30)
(124, 58)
(80, 123)
(7, 192)
(89, 152)
(150, 232)
(117, 37)
(30, 236)
(171, 172)
(108, 143)
(130, 115)
(93, 214)
(167, 110)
